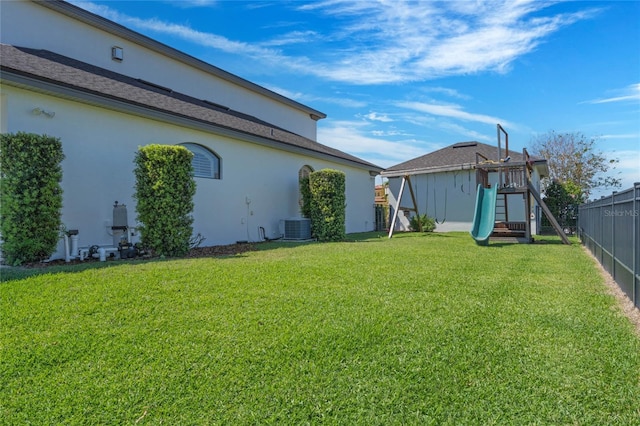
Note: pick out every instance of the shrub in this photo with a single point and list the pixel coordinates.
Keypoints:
(31, 196)
(328, 204)
(305, 202)
(428, 223)
(164, 192)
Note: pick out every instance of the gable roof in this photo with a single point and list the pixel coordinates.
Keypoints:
(51, 73)
(461, 155)
(111, 27)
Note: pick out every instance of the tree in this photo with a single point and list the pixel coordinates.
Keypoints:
(563, 200)
(572, 158)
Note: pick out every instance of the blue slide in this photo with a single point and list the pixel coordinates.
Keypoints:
(484, 217)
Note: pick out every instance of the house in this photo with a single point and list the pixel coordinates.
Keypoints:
(106, 90)
(444, 184)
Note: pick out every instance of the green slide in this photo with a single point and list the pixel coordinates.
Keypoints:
(484, 217)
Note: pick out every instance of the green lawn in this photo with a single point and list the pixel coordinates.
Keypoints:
(419, 329)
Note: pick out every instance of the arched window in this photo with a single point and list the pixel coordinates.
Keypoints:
(304, 172)
(206, 164)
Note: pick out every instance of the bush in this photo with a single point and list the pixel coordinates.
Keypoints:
(305, 193)
(31, 196)
(164, 192)
(328, 204)
(428, 223)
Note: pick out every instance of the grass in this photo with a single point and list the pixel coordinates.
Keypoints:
(419, 329)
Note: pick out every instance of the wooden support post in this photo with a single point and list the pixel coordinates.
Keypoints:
(396, 208)
(405, 180)
(549, 215)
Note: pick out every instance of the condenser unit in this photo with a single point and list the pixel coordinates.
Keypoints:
(297, 229)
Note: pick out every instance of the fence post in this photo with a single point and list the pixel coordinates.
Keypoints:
(613, 234)
(636, 242)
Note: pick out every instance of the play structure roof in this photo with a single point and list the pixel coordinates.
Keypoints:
(459, 156)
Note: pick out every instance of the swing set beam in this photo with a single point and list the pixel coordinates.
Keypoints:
(406, 181)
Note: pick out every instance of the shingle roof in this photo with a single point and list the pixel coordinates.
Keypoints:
(457, 156)
(65, 72)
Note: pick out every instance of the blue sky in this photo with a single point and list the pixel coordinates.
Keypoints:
(399, 79)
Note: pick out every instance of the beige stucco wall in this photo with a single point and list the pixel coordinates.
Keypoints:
(100, 144)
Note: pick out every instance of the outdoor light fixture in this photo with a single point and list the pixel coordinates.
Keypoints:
(40, 111)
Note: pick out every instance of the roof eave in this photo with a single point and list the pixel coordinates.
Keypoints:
(427, 170)
(50, 88)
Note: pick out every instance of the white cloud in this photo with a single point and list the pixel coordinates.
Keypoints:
(471, 134)
(635, 136)
(182, 31)
(629, 93)
(304, 97)
(391, 132)
(392, 41)
(293, 37)
(413, 41)
(374, 116)
(452, 93)
(351, 137)
(193, 3)
(452, 111)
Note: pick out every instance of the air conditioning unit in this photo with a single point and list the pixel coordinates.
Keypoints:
(298, 228)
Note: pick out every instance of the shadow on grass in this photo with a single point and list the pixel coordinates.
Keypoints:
(16, 273)
(8, 274)
(544, 240)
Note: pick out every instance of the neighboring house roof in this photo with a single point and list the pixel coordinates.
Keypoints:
(104, 24)
(458, 156)
(51, 73)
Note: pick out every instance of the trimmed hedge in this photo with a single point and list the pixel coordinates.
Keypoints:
(305, 193)
(164, 192)
(328, 204)
(31, 196)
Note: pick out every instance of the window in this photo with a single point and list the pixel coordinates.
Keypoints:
(205, 163)
(304, 172)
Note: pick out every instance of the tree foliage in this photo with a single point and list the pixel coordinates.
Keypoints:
(31, 196)
(572, 158)
(305, 197)
(164, 192)
(563, 200)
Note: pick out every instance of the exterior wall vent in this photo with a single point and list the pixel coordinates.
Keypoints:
(117, 53)
(298, 228)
